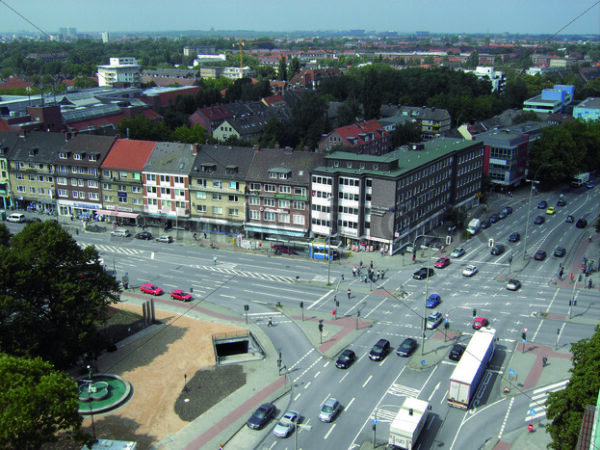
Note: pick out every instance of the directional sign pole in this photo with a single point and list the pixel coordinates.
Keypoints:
(374, 433)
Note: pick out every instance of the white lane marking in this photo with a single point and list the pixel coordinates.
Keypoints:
(329, 432)
(367, 382)
(434, 389)
(349, 404)
(323, 297)
(307, 385)
(512, 400)
(297, 396)
(316, 374)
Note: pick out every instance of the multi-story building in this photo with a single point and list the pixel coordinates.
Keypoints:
(120, 72)
(166, 183)
(551, 100)
(247, 128)
(122, 187)
(78, 181)
(368, 138)
(588, 110)
(384, 202)
(278, 192)
(8, 142)
(32, 170)
(432, 121)
(218, 190)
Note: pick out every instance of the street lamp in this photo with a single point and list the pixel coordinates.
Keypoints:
(533, 183)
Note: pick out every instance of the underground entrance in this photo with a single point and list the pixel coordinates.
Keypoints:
(233, 349)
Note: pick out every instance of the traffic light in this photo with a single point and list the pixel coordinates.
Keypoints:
(320, 327)
(474, 312)
(524, 336)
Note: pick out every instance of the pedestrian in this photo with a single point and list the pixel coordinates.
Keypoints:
(270, 324)
(349, 292)
(590, 283)
(382, 274)
(590, 238)
(205, 236)
(371, 265)
(215, 260)
(378, 274)
(354, 272)
(360, 264)
(342, 277)
(365, 279)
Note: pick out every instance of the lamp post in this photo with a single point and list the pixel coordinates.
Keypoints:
(533, 183)
(90, 403)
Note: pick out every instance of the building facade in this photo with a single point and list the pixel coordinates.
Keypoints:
(588, 110)
(120, 72)
(367, 137)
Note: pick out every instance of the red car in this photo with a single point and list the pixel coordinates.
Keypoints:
(480, 322)
(151, 289)
(178, 294)
(442, 262)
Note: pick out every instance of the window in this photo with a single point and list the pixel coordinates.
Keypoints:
(179, 180)
(254, 200)
(73, 182)
(269, 202)
(201, 195)
(216, 196)
(217, 210)
(136, 189)
(61, 180)
(201, 208)
(234, 212)
(233, 198)
(92, 184)
(63, 155)
(63, 193)
(270, 188)
(93, 157)
(31, 190)
(150, 177)
(255, 186)
(269, 216)
(283, 218)
(94, 196)
(121, 199)
(19, 176)
(122, 188)
(298, 219)
(77, 156)
(108, 199)
(217, 184)
(152, 190)
(165, 191)
(75, 194)
(285, 204)
(273, 175)
(137, 201)
(254, 214)
(165, 179)
(299, 205)
(283, 189)
(300, 191)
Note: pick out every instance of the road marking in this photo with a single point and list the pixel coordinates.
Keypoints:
(323, 297)
(316, 374)
(367, 382)
(349, 404)
(434, 389)
(329, 432)
(297, 396)
(307, 385)
(512, 400)
(344, 377)
(539, 397)
(375, 307)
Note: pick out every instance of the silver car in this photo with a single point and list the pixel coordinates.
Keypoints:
(286, 424)
(329, 410)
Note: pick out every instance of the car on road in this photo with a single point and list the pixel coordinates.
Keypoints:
(457, 252)
(120, 232)
(261, 416)
(539, 220)
(589, 184)
(543, 204)
(581, 223)
(508, 210)
(433, 300)
(514, 237)
(380, 350)
(497, 249)
(287, 424)
(502, 215)
(407, 347)
(144, 235)
(540, 255)
(551, 211)
(560, 252)
(282, 250)
(513, 285)
(470, 270)
(178, 294)
(149, 288)
(433, 320)
(570, 219)
(442, 262)
(329, 410)
(346, 358)
(165, 238)
(422, 273)
(561, 202)
(480, 322)
(456, 352)
(486, 223)
(494, 218)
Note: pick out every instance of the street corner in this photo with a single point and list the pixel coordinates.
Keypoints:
(434, 352)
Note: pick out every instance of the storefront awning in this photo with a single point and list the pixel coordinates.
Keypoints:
(274, 231)
(117, 213)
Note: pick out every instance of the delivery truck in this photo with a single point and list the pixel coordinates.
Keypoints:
(471, 367)
(408, 423)
(474, 226)
(580, 179)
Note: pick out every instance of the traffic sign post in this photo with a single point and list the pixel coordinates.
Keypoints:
(374, 432)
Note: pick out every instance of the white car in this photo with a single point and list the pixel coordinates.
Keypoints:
(470, 270)
(287, 424)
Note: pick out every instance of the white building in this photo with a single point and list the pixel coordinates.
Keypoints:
(121, 72)
(488, 73)
(235, 73)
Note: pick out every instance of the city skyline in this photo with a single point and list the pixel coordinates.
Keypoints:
(435, 16)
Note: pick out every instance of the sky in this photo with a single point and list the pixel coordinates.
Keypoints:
(402, 16)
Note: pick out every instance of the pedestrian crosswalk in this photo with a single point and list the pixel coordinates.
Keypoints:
(113, 249)
(230, 269)
(537, 406)
(402, 390)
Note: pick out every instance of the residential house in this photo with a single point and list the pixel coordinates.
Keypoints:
(32, 162)
(369, 138)
(78, 181)
(218, 189)
(247, 128)
(210, 117)
(122, 187)
(278, 192)
(166, 184)
(433, 121)
(310, 78)
(8, 141)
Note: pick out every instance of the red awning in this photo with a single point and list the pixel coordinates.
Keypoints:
(117, 213)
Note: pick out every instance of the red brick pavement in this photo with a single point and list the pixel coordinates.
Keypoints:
(540, 351)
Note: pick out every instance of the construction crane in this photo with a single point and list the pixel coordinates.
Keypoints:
(240, 44)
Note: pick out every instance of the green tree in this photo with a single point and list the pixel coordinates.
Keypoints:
(473, 60)
(144, 129)
(294, 67)
(37, 403)
(406, 133)
(371, 94)
(195, 135)
(282, 69)
(348, 112)
(309, 119)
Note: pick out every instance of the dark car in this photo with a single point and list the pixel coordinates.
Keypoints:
(282, 250)
(539, 220)
(543, 204)
(407, 347)
(261, 416)
(570, 219)
(456, 352)
(486, 223)
(560, 252)
(540, 255)
(421, 274)
(561, 202)
(581, 223)
(345, 359)
(497, 249)
(508, 210)
(514, 237)
(502, 215)
(380, 350)
(145, 235)
(494, 218)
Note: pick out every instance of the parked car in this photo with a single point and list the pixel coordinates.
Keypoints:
(540, 255)
(407, 347)
(442, 262)
(261, 416)
(480, 322)
(539, 220)
(514, 237)
(560, 252)
(282, 250)
(497, 249)
(470, 270)
(561, 202)
(287, 424)
(120, 232)
(165, 238)
(508, 210)
(329, 410)
(145, 235)
(570, 219)
(486, 223)
(551, 210)
(581, 223)
(513, 285)
(457, 252)
(346, 358)
(502, 215)
(380, 350)
(178, 294)
(494, 218)
(543, 204)
(149, 288)
(456, 352)
(433, 320)
(422, 273)
(433, 300)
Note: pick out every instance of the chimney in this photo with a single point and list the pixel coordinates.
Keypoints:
(195, 149)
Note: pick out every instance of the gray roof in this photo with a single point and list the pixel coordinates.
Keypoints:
(38, 146)
(224, 158)
(299, 163)
(171, 158)
(8, 142)
(82, 143)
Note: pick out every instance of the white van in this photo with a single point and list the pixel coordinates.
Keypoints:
(120, 232)
(16, 217)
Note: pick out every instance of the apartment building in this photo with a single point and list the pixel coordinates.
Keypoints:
(120, 72)
(367, 137)
(8, 140)
(432, 121)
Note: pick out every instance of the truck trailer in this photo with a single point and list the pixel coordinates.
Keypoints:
(580, 179)
(474, 226)
(408, 423)
(471, 367)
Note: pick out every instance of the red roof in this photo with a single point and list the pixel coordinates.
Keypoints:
(361, 127)
(128, 154)
(14, 83)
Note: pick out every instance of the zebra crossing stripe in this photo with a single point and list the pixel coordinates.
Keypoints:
(538, 403)
(401, 390)
(257, 275)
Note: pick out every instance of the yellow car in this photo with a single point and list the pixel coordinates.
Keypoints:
(551, 210)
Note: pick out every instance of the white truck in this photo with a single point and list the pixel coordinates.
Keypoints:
(474, 226)
(408, 423)
(471, 367)
(580, 179)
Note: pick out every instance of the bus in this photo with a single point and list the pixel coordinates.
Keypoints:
(320, 249)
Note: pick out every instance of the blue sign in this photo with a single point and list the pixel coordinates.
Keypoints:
(374, 421)
(531, 412)
(422, 362)
(511, 372)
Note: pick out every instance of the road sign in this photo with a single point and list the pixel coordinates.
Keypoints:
(531, 412)
(511, 372)
(374, 421)
(447, 315)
